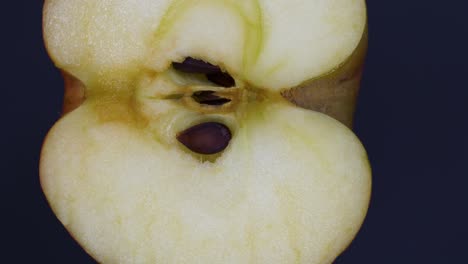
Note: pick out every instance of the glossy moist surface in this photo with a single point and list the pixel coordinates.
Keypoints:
(271, 44)
(291, 185)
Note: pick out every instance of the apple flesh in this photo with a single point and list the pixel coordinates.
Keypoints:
(291, 186)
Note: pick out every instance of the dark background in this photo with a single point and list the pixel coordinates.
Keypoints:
(411, 118)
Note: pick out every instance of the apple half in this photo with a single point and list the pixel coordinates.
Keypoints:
(207, 131)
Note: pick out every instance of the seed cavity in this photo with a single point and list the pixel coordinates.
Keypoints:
(209, 98)
(206, 138)
(212, 72)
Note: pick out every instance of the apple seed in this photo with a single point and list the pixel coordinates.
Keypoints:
(222, 79)
(213, 73)
(191, 65)
(209, 98)
(206, 138)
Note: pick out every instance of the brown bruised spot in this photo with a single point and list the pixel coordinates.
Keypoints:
(74, 94)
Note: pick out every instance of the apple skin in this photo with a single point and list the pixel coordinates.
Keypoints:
(336, 93)
(74, 93)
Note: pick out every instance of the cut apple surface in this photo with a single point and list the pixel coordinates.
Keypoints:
(270, 44)
(185, 138)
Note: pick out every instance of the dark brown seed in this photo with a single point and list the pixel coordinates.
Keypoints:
(191, 65)
(222, 79)
(209, 98)
(206, 138)
(213, 72)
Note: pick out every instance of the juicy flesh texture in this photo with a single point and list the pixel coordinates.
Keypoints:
(271, 44)
(293, 185)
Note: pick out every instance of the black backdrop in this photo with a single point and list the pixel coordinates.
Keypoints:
(411, 119)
